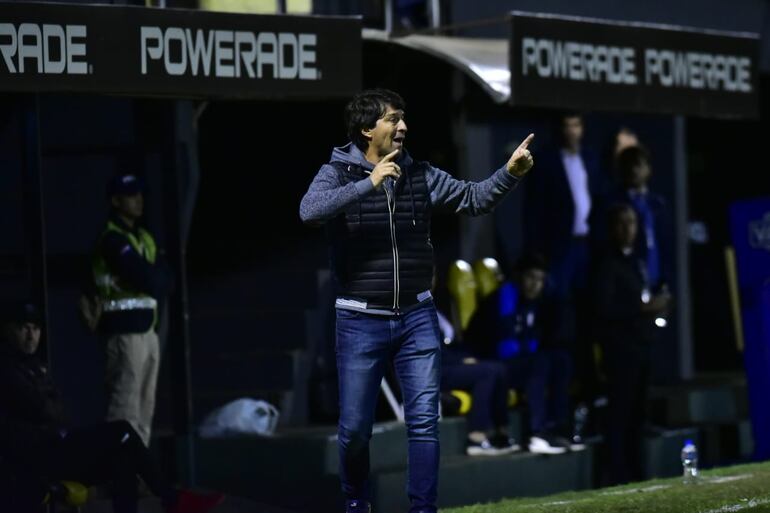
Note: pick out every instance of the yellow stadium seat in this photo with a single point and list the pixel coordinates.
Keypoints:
(71, 494)
(465, 400)
(488, 276)
(462, 287)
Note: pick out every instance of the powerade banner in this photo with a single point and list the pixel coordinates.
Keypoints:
(590, 64)
(750, 227)
(149, 51)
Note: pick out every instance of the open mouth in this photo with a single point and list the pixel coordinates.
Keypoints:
(399, 140)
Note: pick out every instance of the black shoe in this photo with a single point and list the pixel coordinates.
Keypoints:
(505, 444)
(354, 506)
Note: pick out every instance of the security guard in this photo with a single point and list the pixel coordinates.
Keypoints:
(129, 283)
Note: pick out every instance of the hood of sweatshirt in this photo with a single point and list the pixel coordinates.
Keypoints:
(351, 155)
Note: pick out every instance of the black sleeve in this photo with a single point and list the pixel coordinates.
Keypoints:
(133, 269)
(609, 305)
(555, 323)
(22, 398)
(661, 219)
(452, 355)
(482, 334)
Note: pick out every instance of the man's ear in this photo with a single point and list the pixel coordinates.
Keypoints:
(367, 133)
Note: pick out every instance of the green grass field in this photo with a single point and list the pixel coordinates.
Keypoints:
(724, 490)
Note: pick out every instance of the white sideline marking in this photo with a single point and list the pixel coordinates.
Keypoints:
(728, 479)
(653, 488)
(749, 504)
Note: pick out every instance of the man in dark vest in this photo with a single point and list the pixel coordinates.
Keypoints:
(377, 204)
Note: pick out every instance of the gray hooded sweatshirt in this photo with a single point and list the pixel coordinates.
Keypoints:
(328, 198)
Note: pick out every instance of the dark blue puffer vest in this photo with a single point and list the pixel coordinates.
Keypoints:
(380, 255)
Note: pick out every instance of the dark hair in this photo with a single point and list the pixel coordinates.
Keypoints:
(630, 158)
(365, 109)
(557, 127)
(530, 260)
(614, 211)
(569, 114)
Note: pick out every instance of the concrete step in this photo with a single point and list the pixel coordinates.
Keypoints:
(662, 452)
(465, 480)
(258, 467)
(715, 400)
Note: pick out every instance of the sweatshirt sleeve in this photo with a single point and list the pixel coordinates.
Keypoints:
(326, 198)
(471, 198)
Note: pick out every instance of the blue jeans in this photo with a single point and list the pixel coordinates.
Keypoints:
(366, 344)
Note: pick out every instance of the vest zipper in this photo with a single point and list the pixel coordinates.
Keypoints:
(396, 284)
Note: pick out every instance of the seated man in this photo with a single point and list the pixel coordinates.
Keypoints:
(36, 444)
(509, 326)
(488, 385)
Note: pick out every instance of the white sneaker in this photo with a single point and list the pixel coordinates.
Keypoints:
(544, 444)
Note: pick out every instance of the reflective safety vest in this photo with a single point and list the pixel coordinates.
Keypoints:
(115, 296)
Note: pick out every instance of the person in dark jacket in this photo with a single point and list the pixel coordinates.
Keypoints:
(130, 282)
(38, 445)
(560, 211)
(625, 310)
(634, 170)
(377, 204)
(517, 324)
(559, 206)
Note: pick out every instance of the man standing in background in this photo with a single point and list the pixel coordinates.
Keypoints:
(129, 284)
(559, 203)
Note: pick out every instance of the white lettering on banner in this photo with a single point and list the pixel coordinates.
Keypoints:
(584, 62)
(578, 61)
(44, 49)
(283, 55)
(697, 70)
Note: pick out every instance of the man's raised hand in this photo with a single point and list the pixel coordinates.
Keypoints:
(521, 160)
(384, 168)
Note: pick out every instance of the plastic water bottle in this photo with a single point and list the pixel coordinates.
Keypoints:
(690, 462)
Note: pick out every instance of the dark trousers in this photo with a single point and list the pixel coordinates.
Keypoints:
(488, 385)
(544, 376)
(569, 272)
(108, 453)
(627, 376)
